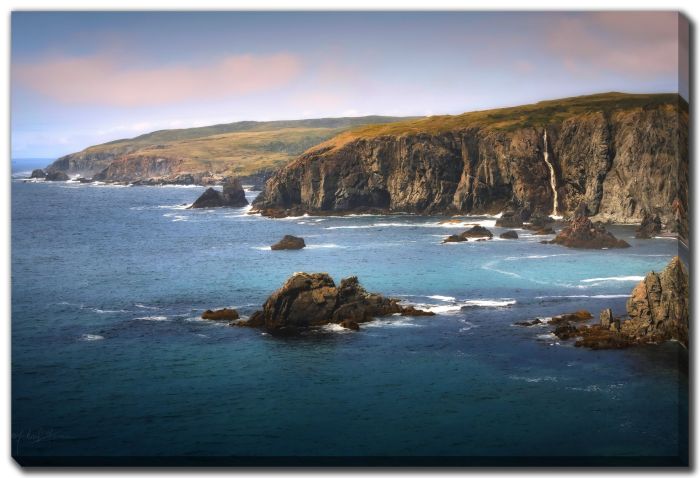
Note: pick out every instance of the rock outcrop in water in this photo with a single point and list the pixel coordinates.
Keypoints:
(650, 227)
(657, 311)
(584, 234)
(289, 243)
(232, 195)
(308, 300)
(221, 314)
(475, 232)
(486, 162)
(509, 235)
(37, 174)
(56, 176)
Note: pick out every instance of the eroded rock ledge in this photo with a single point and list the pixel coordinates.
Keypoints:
(657, 311)
(312, 299)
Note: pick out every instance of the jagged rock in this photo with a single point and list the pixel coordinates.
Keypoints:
(658, 306)
(38, 174)
(583, 234)
(657, 311)
(538, 220)
(509, 235)
(651, 226)
(509, 219)
(289, 242)
(56, 176)
(578, 316)
(606, 318)
(307, 300)
(221, 314)
(232, 195)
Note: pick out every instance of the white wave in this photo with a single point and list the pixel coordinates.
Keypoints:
(589, 388)
(398, 322)
(90, 337)
(261, 248)
(325, 246)
(534, 256)
(106, 311)
(597, 296)
(334, 328)
(153, 318)
(442, 297)
(614, 279)
(533, 379)
(467, 326)
(489, 303)
(452, 225)
(141, 306)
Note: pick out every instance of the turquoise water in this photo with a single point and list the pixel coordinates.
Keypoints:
(110, 359)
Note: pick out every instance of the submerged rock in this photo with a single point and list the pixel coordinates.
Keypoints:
(530, 323)
(650, 227)
(583, 234)
(509, 235)
(232, 195)
(56, 176)
(307, 300)
(38, 174)
(578, 316)
(221, 314)
(289, 243)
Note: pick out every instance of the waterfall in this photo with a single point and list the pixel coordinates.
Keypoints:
(552, 178)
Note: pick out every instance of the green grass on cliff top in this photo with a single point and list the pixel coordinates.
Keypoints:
(532, 115)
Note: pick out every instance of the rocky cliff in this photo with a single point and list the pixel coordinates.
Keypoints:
(246, 149)
(619, 154)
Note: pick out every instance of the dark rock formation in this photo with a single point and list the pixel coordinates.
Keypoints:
(38, 174)
(472, 163)
(232, 195)
(221, 314)
(658, 307)
(350, 324)
(657, 310)
(650, 227)
(583, 234)
(289, 242)
(56, 176)
(509, 219)
(509, 235)
(307, 300)
(475, 232)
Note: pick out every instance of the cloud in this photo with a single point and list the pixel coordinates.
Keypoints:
(104, 80)
(630, 43)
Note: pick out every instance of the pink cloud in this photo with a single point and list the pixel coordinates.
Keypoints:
(106, 80)
(634, 43)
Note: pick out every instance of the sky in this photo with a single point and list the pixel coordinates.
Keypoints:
(84, 78)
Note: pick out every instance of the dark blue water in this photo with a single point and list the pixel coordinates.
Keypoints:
(109, 357)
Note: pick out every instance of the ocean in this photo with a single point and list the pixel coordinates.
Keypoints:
(112, 364)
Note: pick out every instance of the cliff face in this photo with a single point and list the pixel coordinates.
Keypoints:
(619, 156)
(246, 149)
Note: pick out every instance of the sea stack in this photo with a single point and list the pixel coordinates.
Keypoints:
(232, 195)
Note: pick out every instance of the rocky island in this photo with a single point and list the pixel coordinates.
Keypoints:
(232, 195)
(313, 299)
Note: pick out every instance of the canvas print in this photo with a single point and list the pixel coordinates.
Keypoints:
(350, 238)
